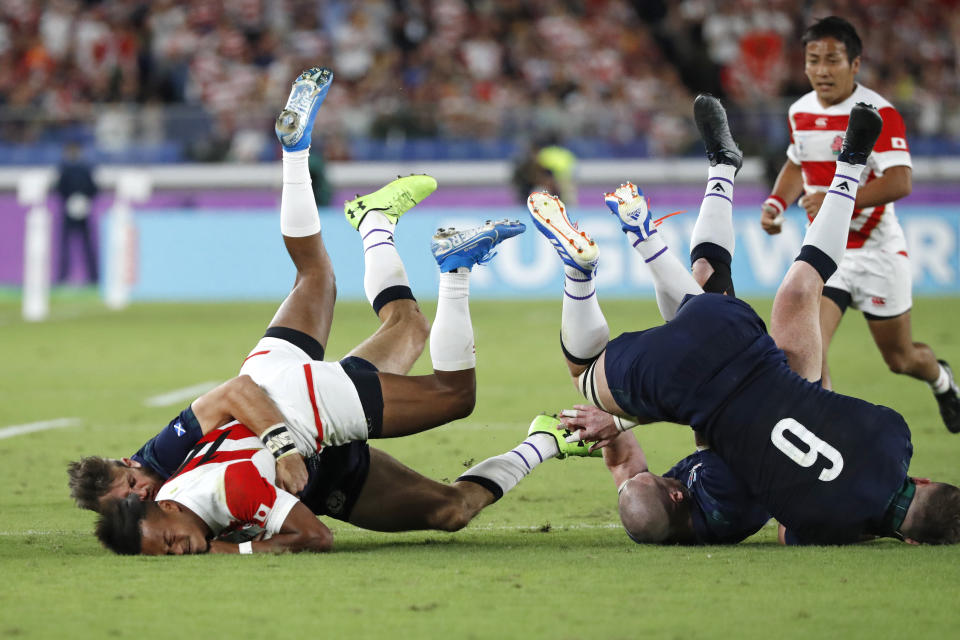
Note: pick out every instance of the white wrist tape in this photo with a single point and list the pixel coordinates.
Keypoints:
(623, 424)
(246, 548)
(279, 441)
(777, 203)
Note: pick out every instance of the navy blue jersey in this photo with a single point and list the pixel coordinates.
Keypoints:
(827, 466)
(164, 452)
(724, 510)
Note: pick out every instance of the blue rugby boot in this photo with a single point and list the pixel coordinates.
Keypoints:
(628, 203)
(574, 247)
(453, 248)
(294, 126)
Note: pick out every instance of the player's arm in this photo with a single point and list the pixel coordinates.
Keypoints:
(242, 399)
(895, 183)
(595, 425)
(301, 531)
(787, 188)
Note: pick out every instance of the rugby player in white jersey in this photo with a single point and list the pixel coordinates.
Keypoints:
(874, 276)
(220, 477)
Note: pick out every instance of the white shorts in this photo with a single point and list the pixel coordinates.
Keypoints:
(318, 399)
(879, 282)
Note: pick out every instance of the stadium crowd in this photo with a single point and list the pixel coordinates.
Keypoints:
(210, 73)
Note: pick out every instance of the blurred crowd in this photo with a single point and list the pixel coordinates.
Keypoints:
(213, 73)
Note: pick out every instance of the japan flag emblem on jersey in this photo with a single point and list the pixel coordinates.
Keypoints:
(898, 143)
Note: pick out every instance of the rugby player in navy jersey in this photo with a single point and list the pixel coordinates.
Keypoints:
(831, 469)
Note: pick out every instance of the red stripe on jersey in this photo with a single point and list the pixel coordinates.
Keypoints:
(902, 253)
(217, 457)
(857, 238)
(258, 353)
(820, 122)
(893, 136)
(308, 372)
(819, 174)
(235, 431)
(249, 496)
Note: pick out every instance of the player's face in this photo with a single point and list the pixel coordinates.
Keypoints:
(172, 534)
(127, 480)
(830, 72)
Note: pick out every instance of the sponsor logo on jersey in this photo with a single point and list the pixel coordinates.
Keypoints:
(692, 476)
(878, 301)
(820, 122)
(335, 502)
(179, 428)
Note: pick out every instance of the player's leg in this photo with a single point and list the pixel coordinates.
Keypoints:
(833, 304)
(795, 319)
(403, 331)
(308, 309)
(583, 328)
(415, 403)
(712, 242)
(894, 338)
(397, 498)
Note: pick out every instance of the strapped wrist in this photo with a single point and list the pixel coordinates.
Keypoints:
(776, 202)
(246, 548)
(278, 440)
(624, 424)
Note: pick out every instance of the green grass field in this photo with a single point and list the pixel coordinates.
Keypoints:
(549, 560)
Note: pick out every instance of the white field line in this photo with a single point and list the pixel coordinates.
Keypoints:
(179, 395)
(20, 429)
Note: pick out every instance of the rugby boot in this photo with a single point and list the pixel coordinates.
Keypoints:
(392, 200)
(863, 129)
(453, 248)
(294, 125)
(574, 247)
(548, 424)
(628, 203)
(949, 402)
(711, 119)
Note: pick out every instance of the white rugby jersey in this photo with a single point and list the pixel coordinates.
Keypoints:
(816, 135)
(227, 480)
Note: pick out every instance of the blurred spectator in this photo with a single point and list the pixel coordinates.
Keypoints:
(545, 166)
(76, 190)
(609, 70)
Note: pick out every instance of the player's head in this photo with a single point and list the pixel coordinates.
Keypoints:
(94, 480)
(654, 509)
(831, 58)
(934, 514)
(130, 526)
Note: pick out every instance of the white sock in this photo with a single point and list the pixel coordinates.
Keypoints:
(451, 337)
(583, 329)
(505, 471)
(298, 209)
(672, 281)
(828, 231)
(715, 222)
(943, 383)
(382, 266)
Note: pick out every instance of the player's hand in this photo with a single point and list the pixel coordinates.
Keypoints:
(811, 203)
(292, 473)
(771, 220)
(590, 424)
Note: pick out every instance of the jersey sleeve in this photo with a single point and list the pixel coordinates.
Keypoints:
(164, 452)
(252, 499)
(792, 154)
(891, 149)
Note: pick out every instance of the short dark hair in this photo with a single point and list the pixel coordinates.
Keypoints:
(118, 526)
(838, 28)
(90, 479)
(938, 521)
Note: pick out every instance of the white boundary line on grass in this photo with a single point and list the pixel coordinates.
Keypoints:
(179, 395)
(43, 425)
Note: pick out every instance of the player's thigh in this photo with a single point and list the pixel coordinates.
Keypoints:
(309, 306)
(830, 316)
(795, 319)
(397, 498)
(414, 403)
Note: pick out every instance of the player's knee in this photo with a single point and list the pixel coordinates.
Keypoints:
(459, 396)
(451, 515)
(800, 290)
